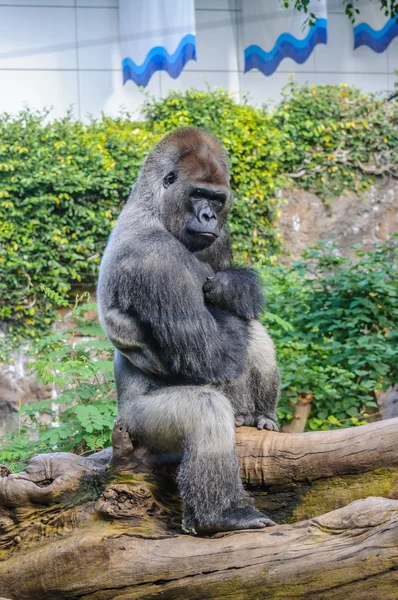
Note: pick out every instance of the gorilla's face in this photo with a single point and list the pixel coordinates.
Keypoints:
(197, 198)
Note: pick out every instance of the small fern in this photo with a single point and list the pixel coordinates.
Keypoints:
(57, 298)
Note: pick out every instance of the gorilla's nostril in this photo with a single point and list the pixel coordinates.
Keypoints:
(206, 218)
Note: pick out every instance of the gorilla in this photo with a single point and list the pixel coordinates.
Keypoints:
(191, 360)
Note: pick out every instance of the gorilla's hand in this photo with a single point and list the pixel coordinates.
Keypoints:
(259, 420)
(236, 290)
(264, 422)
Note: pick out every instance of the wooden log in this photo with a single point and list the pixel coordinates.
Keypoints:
(275, 458)
(349, 553)
(105, 527)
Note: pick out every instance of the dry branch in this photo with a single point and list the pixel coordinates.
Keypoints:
(277, 458)
(349, 553)
(74, 527)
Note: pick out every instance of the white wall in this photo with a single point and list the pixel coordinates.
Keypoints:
(65, 53)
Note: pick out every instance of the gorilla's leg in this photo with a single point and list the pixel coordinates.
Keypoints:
(199, 422)
(254, 396)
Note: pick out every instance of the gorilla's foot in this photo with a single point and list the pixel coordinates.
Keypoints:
(236, 518)
(267, 423)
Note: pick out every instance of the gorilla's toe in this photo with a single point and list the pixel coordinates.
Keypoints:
(267, 423)
(239, 420)
(236, 519)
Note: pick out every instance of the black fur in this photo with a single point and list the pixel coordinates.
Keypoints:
(180, 316)
(236, 290)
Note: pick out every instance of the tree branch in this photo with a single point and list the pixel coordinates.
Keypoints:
(105, 527)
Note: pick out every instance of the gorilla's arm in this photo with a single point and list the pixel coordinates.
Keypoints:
(237, 290)
(160, 285)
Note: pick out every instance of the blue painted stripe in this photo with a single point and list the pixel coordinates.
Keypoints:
(286, 46)
(365, 35)
(158, 59)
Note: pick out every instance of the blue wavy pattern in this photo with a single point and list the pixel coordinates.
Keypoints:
(286, 46)
(365, 35)
(158, 59)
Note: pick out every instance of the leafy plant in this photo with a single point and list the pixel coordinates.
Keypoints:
(343, 346)
(352, 8)
(336, 137)
(78, 362)
(334, 321)
(63, 184)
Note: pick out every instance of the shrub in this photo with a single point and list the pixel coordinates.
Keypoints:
(61, 188)
(81, 417)
(344, 314)
(62, 185)
(336, 137)
(334, 321)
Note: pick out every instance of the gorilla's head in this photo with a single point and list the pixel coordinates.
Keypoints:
(191, 168)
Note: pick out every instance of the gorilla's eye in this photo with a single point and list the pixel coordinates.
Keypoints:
(217, 203)
(169, 179)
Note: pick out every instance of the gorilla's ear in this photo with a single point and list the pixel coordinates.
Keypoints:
(169, 179)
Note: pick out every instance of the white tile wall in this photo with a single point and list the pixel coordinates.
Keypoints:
(216, 4)
(66, 52)
(216, 43)
(338, 55)
(201, 80)
(392, 56)
(98, 3)
(39, 89)
(97, 39)
(267, 90)
(52, 3)
(392, 82)
(368, 83)
(102, 91)
(37, 38)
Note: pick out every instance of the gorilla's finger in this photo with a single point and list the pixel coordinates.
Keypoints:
(267, 423)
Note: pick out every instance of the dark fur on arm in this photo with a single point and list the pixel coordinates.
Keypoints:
(237, 290)
(159, 285)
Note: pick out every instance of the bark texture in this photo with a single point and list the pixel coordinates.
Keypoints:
(107, 526)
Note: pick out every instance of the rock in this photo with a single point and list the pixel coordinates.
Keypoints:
(349, 219)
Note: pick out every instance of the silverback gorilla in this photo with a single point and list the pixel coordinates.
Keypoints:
(191, 361)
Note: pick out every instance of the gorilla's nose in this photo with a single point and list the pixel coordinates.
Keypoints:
(207, 217)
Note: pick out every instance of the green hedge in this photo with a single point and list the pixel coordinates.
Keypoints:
(335, 137)
(62, 184)
(334, 321)
(61, 188)
(341, 345)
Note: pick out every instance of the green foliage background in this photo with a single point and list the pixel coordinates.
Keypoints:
(63, 184)
(342, 342)
(335, 137)
(334, 321)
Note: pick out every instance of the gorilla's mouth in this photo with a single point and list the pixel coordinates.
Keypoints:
(208, 234)
(198, 240)
(199, 233)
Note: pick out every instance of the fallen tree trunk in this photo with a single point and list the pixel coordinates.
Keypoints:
(107, 526)
(275, 458)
